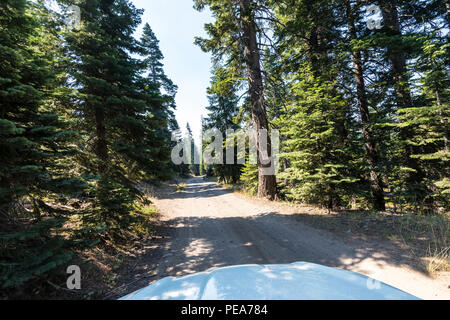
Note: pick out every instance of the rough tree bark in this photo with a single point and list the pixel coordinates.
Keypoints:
(369, 141)
(267, 187)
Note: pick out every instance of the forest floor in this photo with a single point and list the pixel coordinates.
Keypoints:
(204, 226)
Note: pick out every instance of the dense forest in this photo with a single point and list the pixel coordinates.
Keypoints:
(361, 102)
(87, 114)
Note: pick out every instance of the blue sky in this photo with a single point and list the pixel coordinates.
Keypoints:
(176, 23)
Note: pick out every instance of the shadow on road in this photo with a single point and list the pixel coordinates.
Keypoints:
(209, 227)
(194, 190)
(195, 244)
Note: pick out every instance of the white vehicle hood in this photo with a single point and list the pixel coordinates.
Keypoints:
(296, 281)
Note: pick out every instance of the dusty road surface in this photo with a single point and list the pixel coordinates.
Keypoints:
(206, 226)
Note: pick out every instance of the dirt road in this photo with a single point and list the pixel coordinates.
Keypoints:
(206, 226)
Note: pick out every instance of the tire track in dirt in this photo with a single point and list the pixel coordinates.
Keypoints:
(206, 227)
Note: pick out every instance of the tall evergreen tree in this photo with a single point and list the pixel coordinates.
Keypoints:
(194, 156)
(155, 76)
(372, 153)
(426, 121)
(35, 143)
(153, 61)
(319, 144)
(397, 50)
(222, 110)
(120, 110)
(234, 36)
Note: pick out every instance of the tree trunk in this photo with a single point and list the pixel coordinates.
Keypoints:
(397, 60)
(317, 55)
(369, 141)
(447, 16)
(101, 144)
(266, 183)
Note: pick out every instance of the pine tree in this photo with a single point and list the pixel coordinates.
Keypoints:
(397, 47)
(234, 36)
(162, 106)
(35, 145)
(201, 168)
(153, 61)
(320, 143)
(320, 168)
(120, 111)
(180, 170)
(222, 110)
(249, 178)
(372, 154)
(193, 166)
(427, 120)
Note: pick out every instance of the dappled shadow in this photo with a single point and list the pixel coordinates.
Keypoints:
(195, 244)
(420, 233)
(193, 190)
